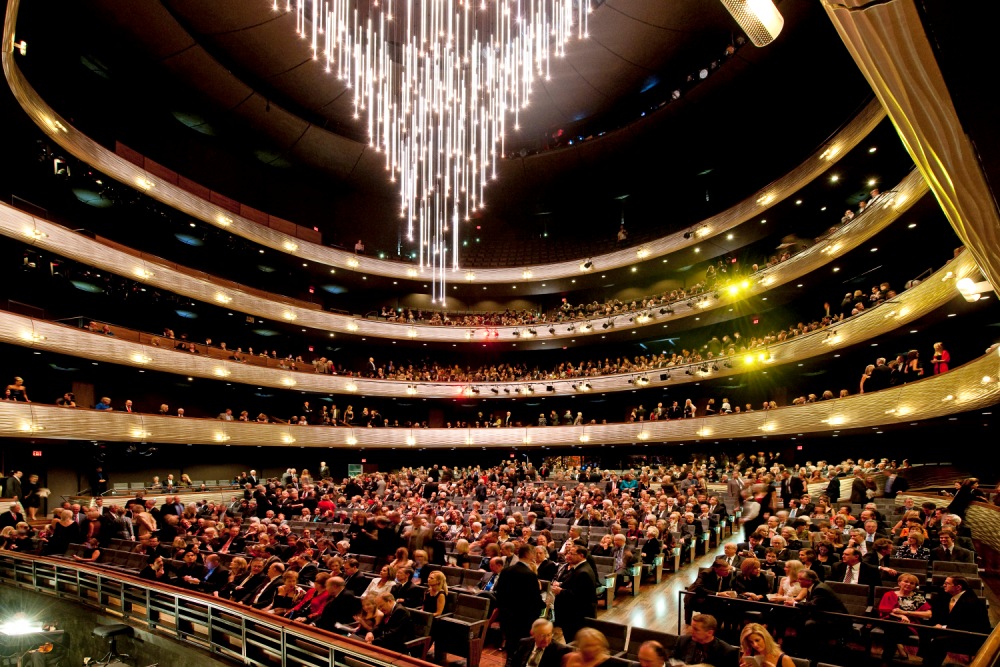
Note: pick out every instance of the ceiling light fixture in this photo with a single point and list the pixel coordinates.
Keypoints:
(434, 81)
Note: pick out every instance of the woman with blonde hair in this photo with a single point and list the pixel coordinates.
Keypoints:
(436, 594)
(788, 585)
(758, 649)
(591, 649)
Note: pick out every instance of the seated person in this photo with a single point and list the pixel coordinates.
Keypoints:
(701, 647)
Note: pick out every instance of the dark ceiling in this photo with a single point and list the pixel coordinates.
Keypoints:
(247, 95)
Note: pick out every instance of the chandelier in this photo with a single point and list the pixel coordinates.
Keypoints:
(435, 80)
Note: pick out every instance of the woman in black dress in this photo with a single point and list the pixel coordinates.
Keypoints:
(65, 532)
(29, 496)
(436, 594)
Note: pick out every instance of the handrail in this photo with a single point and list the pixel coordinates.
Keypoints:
(989, 652)
(135, 349)
(970, 386)
(203, 287)
(209, 622)
(84, 148)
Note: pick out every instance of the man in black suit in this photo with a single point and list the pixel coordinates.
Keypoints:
(11, 517)
(404, 589)
(245, 588)
(214, 577)
(264, 595)
(539, 650)
(519, 599)
(815, 632)
(396, 627)
(340, 607)
(851, 570)
(792, 486)
(719, 580)
(189, 575)
(959, 609)
(879, 555)
(701, 646)
(353, 579)
(895, 484)
(575, 591)
(949, 552)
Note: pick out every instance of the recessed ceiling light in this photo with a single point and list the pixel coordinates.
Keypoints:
(874, 249)
(635, 268)
(872, 182)
(951, 314)
(834, 178)
(872, 149)
(764, 299)
(573, 281)
(823, 208)
(763, 221)
(798, 201)
(799, 285)
(913, 331)
(836, 356)
(729, 237)
(911, 225)
(836, 268)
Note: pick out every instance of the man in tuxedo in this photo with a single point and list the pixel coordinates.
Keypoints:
(353, 579)
(264, 595)
(404, 589)
(575, 592)
(879, 555)
(949, 551)
(11, 517)
(851, 570)
(13, 485)
(539, 650)
(215, 577)
(340, 606)
(701, 647)
(815, 632)
(245, 588)
(189, 575)
(859, 492)
(959, 609)
(396, 627)
(519, 599)
(792, 486)
(732, 558)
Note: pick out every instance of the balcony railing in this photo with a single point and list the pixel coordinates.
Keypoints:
(971, 386)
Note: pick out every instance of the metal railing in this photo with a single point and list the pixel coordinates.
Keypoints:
(221, 627)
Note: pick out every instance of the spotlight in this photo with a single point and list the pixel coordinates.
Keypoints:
(715, 366)
(687, 371)
(506, 390)
(687, 235)
(585, 386)
(664, 377)
(663, 311)
(549, 388)
(727, 364)
(495, 390)
(703, 368)
(552, 330)
(475, 390)
(605, 325)
(587, 266)
(516, 332)
(532, 332)
(571, 328)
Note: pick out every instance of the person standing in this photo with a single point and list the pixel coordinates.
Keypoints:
(940, 359)
(575, 591)
(519, 600)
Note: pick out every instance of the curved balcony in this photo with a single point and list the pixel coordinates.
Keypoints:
(202, 287)
(132, 348)
(225, 213)
(971, 386)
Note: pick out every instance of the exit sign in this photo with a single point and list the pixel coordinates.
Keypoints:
(36, 452)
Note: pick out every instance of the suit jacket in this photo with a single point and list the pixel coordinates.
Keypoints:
(13, 487)
(717, 652)
(264, 595)
(968, 614)
(340, 609)
(823, 598)
(214, 581)
(357, 583)
(551, 657)
(518, 595)
(872, 559)
(395, 630)
(868, 575)
(710, 583)
(238, 546)
(8, 519)
(408, 593)
(859, 492)
(547, 570)
(578, 598)
(957, 555)
(244, 592)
